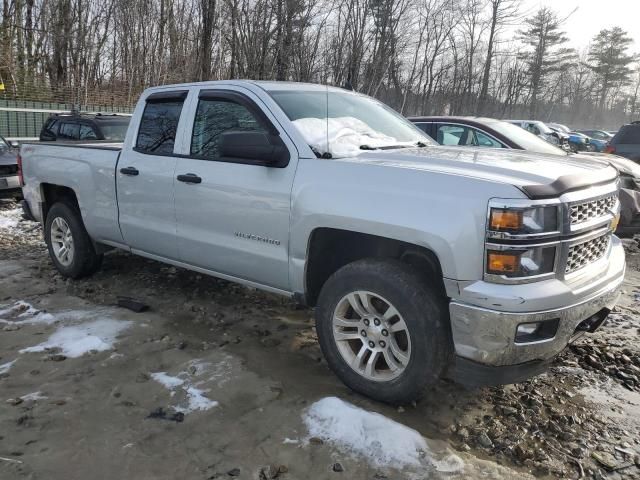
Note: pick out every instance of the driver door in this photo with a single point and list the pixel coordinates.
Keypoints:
(233, 214)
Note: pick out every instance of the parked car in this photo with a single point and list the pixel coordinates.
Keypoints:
(488, 132)
(9, 181)
(595, 144)
(578, 142)
(541, 130)
(85, 127)
(626, 142)
(421, 261)
(597, 134)
(581, 143)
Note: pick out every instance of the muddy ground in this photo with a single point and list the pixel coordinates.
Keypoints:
(220, 381)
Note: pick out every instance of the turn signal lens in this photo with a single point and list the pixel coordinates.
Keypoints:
(615, 222)
(500, 263)
(506, 219)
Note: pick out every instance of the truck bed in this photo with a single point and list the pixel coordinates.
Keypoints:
(86, 168)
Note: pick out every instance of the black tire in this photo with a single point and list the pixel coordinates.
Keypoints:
(85, 260)
(424, 311)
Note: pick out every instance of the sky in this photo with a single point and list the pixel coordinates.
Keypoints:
(592, 16)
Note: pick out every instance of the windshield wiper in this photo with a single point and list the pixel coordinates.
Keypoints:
(384, 147)
(325, 155)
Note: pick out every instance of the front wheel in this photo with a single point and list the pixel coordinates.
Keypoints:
(70, 247)
(383, 330)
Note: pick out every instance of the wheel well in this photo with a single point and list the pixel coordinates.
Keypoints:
(55, 193)
(330, 249)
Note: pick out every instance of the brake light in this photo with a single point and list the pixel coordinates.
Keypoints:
(20, 177)
(609, 148)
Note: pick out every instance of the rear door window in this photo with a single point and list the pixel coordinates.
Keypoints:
(159, 123)
(69, 131)
(454, 135)
(87, 132)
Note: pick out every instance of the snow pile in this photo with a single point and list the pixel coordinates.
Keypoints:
(77, 340)
(9, 218)
(341, 136)
(6, 367)
(187, 383)
(25, 313)
(382, 441)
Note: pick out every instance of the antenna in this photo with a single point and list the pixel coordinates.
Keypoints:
(328, 152)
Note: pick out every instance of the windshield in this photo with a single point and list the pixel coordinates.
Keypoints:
(344, 124)
(3, 144)
(528, 141)
(115, 130)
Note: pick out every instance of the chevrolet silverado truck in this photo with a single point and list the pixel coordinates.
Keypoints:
(421, 261)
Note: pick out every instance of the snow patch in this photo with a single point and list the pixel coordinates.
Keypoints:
(197, 401)
(77, 340)
(6, 367)
(33, 397)
(26, 314)
(9, 219)
(340, 136)
(167, 381)
(380, 440)
(187, 383)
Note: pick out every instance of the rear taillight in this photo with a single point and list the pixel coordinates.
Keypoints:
(609, 148)
(20, 177)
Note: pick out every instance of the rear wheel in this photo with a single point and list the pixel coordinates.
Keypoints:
(383, 329)
(69, 244)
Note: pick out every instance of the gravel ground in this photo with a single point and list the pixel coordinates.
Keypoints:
(220, 381)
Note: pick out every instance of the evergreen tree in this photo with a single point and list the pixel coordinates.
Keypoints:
(546, 54)
(610, 61)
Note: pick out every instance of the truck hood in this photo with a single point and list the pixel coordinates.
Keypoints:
(624, 165)
(538, 175)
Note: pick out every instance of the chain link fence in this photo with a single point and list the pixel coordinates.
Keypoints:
(25, 107)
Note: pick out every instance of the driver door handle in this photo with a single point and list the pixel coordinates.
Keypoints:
(132, 171)
(189, 178)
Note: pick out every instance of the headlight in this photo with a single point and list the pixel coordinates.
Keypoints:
(524, 221)
(525, 262)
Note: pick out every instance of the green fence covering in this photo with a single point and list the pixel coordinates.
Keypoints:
(24, 119)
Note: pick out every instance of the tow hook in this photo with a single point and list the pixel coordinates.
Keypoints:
(594, 322)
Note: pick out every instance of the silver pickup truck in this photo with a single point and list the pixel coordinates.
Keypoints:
(421, 261)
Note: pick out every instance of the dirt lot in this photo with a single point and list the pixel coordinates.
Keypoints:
(220, 381)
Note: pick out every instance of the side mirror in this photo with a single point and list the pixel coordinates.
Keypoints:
(259, 147)
(14, 144)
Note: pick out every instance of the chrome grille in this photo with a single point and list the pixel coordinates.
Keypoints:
(582, 212)
(584, 253)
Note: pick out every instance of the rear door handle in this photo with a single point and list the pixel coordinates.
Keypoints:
(129, 171)
(189, 178)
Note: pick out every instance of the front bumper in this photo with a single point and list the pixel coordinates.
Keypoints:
(488, 336)
(473, 374)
